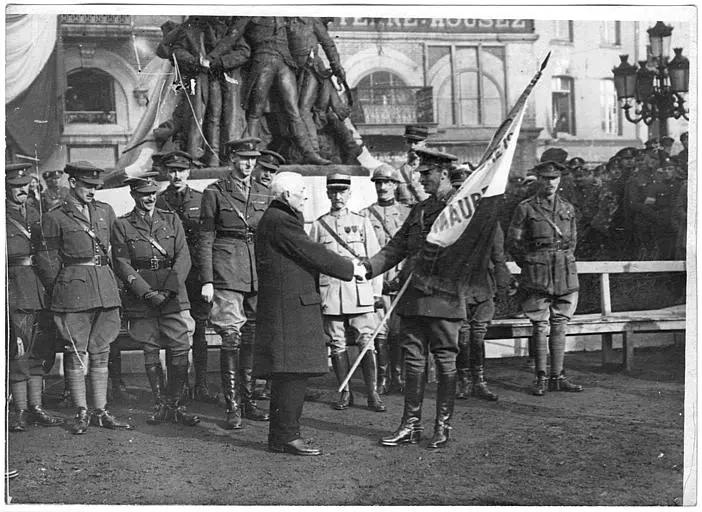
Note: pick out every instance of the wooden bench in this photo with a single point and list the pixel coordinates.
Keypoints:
(607, 322)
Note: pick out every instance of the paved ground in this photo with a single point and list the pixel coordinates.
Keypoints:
(620, 442)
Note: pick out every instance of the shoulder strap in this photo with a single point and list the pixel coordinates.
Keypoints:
(550, 222)
(19, 226)
(231, 203)
(377, 215)
(89, 231)
(336, 237)
(149, 239)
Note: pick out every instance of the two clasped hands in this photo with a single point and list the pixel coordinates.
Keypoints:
(359, 270)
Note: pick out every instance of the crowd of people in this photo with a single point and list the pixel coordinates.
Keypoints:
(183, 260)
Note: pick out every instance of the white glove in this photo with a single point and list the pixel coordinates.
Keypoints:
(359, 270)
(207, 292)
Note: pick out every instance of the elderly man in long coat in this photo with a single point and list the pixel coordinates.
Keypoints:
(291, 346)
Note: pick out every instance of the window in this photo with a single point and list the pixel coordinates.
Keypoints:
(471, 85)
(562, 105)
(563, 30)
(386, 99)
(612, 33)
(611, 121)
(90, 97)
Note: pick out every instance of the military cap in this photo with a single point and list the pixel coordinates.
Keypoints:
(628, 152)
(386, 172)
(667, 161)
(84, 171)
(432, 158)
(18, 174)
(338, 181)
(549, 169)
(243, 147)
(271, 160)
(51, 174)
(667, 141)
(416, 132)
(177, 159)
(554, 155)
(576, 162)
(143, 183)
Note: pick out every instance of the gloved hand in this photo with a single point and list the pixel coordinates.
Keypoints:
(155, 298)
(207, 292)
(20, 348)
(379, 303)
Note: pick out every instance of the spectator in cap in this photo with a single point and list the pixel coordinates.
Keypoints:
(151, 258)
(230, 211)
(410, 191)
(386, 216)
(682, 156)
(349, 305)
(634, 204)
(74, 262)
(667, 143)
(542, 238)
(567, 184)
(30, 342)
(657, 210)
(55, 193)
(267, 165)
(183, 200)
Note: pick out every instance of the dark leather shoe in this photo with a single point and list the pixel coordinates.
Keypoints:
(561, 383)
(345, 401)
(440, 437)
(39, 416)
(406, 434)
(232, 420)
(253, 412)
(80, 422)
(20, 423)
(375, 403)
(294, 447)
(103, 418)
(481, 390)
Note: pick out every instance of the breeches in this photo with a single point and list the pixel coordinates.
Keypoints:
(231, 309)
(166, 331)
(90, 331)
(35, 329)
(359, 326)
(422, 334)
(543, 309)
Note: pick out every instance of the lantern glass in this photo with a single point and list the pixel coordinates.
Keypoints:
(644, 84)
(659, 36)
(624, 78)
(679, 79)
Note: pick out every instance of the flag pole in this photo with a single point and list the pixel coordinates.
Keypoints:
(371, 342)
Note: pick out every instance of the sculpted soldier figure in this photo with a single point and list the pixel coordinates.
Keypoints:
(152, 259)
(348, 308)
(230, 211)
(271, 63)
(29, 343)
(185, 202)
(542, 238)
(74, 263)
(386, 216)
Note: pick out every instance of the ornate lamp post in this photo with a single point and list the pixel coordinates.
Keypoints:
(655, 89)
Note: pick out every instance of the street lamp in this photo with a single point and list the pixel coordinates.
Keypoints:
(655, 89)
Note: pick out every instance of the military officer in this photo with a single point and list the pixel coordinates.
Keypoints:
(152, 258)
(230, 211)
(54, 193)
(542, 238)
(348, 306)
(74, 263)
(560, 155)
(657, 208)
(179, 198)
(386, 216)
(410, 192)
(30, 323)
(266, 166)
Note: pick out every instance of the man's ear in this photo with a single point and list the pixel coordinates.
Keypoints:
(72, 182)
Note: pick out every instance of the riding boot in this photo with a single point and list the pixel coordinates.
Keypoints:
(201, 391)
(185, 391)
(383, 360)
(340, 363)
(477, 364)
(177, 411)
(397, 380)
(229, 368)
(368, 367)
(154, 372)
(299, 135)
(445, 395)
(462, 364)
(118, 390)
(410, 429)
(249, 407)
(463, 386)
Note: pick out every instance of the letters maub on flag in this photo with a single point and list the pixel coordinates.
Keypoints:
(460, 241)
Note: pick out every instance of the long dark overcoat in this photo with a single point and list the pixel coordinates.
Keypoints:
(289, 335)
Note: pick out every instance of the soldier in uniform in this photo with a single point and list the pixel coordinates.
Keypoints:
(184, 201)
(230, 211)
(30, 324)
(542, 238)
(266, 166)
(386, 216)
(430, 321)
(410, 192)
(348, 309)
(152, 258)
(74, 263)
(480, 308)
(657, 208)
(54, 194)
(635, 202)
(567, 187)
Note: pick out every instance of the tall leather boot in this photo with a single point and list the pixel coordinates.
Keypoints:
(299, 135)
(154, 372)
(185, 390)
(368, 367)
(410, 429)
(397, 379)
(340, 363)
(383, 360)
(118, 390)
(477, 364)
(201, 391)
(177, 411)
(462, 365)
(229, 368)
(445, 395)
(249, 407)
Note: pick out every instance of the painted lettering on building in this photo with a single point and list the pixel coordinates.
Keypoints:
(454, 25)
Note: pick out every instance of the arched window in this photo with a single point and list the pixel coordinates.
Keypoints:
(386, 99)
(90, 97)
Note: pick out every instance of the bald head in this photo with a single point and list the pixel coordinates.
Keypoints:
(289, 187)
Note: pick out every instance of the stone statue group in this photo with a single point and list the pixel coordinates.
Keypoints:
(257, 77)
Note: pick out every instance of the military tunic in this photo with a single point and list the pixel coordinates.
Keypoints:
(53, 197)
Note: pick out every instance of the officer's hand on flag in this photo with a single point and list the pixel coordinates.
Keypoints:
(207, 292)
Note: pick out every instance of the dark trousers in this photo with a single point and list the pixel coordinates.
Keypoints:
(287, 399)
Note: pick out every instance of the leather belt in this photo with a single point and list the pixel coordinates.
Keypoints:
(21, 261)
(247, 236)
(152, 264)
(95, 261)
(549, 246)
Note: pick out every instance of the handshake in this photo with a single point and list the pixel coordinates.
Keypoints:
(360, 272)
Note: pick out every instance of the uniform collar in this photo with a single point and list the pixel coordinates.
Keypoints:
(339, 213)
